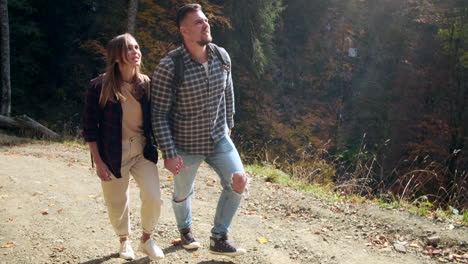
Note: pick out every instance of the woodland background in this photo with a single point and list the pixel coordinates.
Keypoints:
(366, 96)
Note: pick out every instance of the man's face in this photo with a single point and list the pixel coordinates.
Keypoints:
(195, 28)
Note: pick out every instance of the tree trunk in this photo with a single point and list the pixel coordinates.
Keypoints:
(5, 59)
(132, 13)
(25, 122)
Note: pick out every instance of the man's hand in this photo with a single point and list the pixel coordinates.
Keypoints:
(103, 172)
(174, 165)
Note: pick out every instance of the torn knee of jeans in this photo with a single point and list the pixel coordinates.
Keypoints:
(179, 201)
(239, 182)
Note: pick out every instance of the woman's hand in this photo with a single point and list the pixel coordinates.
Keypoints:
(103, 172)
(101, 168)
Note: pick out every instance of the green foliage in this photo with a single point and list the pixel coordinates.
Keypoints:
(454, 37)
(254, 24)
(422, 206)
(271, 174)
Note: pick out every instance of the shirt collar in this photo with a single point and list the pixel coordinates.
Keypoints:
(188, 57)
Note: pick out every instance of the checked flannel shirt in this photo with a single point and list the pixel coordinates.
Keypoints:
(194, 116)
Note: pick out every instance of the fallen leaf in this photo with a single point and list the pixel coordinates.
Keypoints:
(171, 176)
(1, 186)
(51, 205)
(45, 212)
(262, 240)
(70, 165)
(59, 249)
(8, 245)
(195, 255)
(94, 196)
(176, 242)
(60, 210)
(264, 217)
(414, 245)
(317, 233)
(9, 220)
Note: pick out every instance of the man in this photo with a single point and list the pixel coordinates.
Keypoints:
(192, 120)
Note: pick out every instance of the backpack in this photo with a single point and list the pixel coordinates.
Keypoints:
(176, 56)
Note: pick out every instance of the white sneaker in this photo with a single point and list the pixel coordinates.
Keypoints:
(126, 250)
(151, 249)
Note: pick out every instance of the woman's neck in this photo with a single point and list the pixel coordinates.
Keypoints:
(127, 71)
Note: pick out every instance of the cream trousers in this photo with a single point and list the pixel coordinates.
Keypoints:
(116, 192)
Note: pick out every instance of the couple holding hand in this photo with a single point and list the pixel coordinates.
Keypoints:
(187, 108)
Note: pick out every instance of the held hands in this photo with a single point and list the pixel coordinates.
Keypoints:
(174, 165)
(103, 172)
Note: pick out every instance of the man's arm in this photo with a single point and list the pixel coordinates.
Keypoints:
(229, 95)
(161, 102)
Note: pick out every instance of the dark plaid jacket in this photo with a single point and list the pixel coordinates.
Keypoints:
(104, 126)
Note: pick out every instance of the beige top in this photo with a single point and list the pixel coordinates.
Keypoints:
(132, 116)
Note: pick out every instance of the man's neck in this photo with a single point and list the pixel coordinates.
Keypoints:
(199, 53)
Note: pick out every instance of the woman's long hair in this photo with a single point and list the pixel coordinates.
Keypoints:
(112, 79)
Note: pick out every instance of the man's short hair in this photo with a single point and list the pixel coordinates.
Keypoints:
(184, 10)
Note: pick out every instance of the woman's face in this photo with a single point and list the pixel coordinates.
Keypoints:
(133, 52)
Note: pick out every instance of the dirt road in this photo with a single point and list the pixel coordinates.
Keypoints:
(53, 212)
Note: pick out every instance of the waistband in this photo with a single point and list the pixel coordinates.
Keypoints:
(134, 138)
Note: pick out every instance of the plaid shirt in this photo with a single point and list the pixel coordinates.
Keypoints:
(194, 116)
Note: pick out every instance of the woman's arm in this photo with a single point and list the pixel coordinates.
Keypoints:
(90, 131)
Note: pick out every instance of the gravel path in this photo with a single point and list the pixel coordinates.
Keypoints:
(53, 212)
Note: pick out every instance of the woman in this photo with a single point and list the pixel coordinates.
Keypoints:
(118, 130)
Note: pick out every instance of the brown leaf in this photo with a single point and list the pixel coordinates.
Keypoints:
(45, 212)
(8, 245)
(317, 233)
(176, 242)
(264, 217)
(59, 249)
(60, 210)
(9, 220)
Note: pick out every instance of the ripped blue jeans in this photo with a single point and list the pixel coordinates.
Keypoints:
(225, 161)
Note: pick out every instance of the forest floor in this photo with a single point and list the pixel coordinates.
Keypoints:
(53, 212)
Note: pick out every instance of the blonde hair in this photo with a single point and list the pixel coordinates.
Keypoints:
(112, 80)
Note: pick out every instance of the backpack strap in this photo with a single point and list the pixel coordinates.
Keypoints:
(177, 58)
(221, 54)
